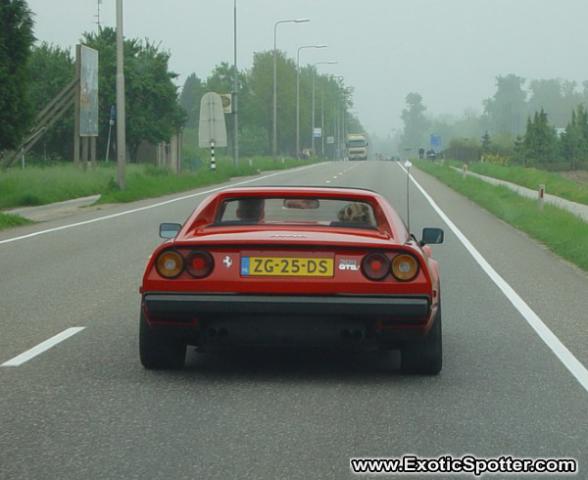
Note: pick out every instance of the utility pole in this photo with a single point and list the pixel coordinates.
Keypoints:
(235, 92)
(121, 133)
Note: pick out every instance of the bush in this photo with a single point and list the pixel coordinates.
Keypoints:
(494, 159)
(464, 150)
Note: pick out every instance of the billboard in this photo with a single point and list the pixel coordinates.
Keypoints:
(88, 92)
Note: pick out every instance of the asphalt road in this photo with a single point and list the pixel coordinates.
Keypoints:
(85, 408)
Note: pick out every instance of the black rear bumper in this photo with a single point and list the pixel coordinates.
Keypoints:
(410, 309)
(227, 321)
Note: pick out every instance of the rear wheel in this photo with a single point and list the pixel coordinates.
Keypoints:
(425, 357)
(157, 351)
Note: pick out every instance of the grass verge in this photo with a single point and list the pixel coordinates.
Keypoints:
(153, 182)
(42, 185)
(9, 221)
(555, 184)
(559, 230)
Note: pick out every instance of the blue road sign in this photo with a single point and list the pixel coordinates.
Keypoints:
(436, 142)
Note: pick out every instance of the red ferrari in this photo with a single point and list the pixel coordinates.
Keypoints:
(292, 267)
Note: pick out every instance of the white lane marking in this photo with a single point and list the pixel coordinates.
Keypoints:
(149, 207)
(327, 181)
(42, 347)
(566, 357)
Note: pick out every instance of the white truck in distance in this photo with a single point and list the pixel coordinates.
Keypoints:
(357, 146)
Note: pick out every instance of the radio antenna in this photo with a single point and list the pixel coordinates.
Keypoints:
(407, 165)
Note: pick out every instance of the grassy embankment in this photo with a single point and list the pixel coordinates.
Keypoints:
(9, 221)
(42, 185)
(555, 184)
(561, 231)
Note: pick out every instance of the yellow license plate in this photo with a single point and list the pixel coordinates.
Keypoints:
(286, 267)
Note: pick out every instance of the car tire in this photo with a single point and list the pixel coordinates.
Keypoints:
(158, 352)
(425, 357)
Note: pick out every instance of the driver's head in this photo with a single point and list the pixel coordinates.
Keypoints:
(250, 209)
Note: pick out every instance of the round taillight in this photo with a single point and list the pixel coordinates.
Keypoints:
(375, 266)
(169, 264)
(199, 264)
(405, 267)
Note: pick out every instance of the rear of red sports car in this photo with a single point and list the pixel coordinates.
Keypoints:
(292, 268)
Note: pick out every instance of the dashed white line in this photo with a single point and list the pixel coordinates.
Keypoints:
(42, 347)
(566, 357)
(149, 207)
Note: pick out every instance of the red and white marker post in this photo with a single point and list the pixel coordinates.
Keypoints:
(541, 197)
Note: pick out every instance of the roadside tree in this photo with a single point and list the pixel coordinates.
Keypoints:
(541, 142)
(50, 69)
(507, 109)
(16, 41)
(152, 96)
(415, 122)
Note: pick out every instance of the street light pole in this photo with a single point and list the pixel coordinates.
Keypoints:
(298, 94)
(121, 137)
(275, 99)
(343, 138)
(235, 92)
(312, 140)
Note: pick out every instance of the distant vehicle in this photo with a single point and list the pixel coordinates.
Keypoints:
(431, 155)
(357, 146)
(292, 267)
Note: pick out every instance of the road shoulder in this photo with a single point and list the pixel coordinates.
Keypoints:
(554, 288)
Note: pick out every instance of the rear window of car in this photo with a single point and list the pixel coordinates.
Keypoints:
(296, 211)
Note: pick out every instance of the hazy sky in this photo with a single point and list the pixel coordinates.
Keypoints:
(447, 50)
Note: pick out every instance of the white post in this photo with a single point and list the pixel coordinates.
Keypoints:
(407, 165)
(212, 157)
